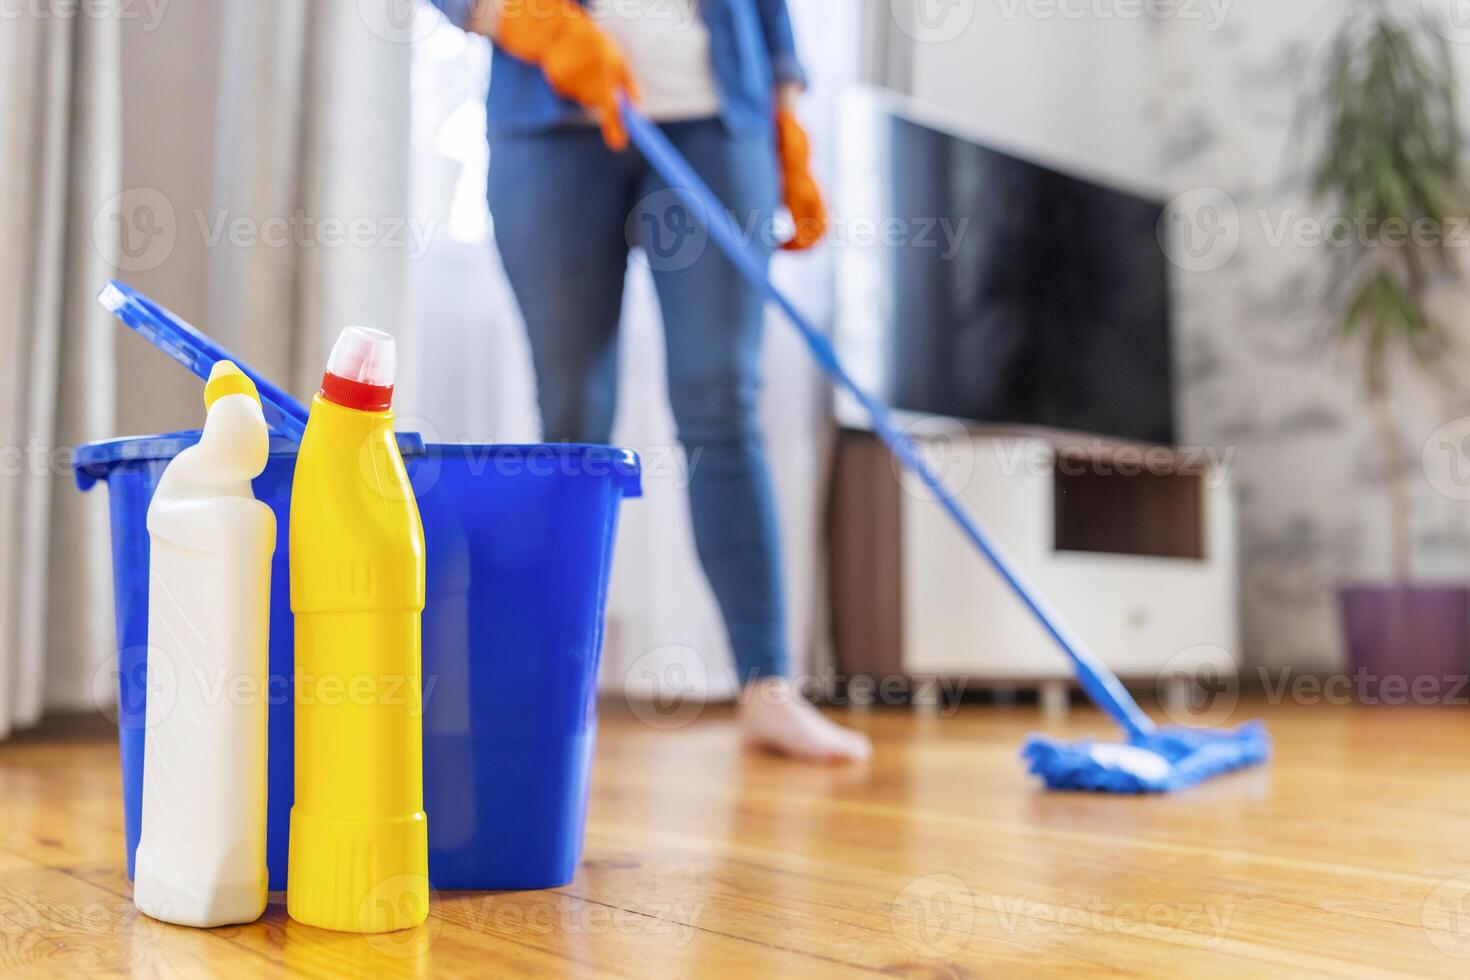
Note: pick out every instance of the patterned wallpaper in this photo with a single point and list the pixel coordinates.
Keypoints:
(1253, 316)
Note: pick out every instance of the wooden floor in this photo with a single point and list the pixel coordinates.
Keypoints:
(1350, 855)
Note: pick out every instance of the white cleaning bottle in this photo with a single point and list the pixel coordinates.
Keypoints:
(201, 855)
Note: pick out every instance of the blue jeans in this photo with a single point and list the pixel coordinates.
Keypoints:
(566, 211)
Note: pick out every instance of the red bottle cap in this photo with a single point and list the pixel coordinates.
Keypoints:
(361, 369)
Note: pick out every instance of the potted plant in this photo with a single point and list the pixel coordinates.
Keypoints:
(1389, 162)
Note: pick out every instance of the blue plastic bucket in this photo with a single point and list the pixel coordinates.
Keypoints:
(519, 545)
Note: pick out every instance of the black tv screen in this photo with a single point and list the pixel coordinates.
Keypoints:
(1037, 298)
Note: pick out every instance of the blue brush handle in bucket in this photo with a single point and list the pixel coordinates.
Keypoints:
(1100, 683)
(186, 345)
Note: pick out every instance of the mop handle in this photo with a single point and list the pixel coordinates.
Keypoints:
(1099, 682)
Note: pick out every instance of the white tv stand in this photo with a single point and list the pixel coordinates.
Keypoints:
(1135, 545)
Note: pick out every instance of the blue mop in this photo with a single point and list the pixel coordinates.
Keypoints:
(1153, 760)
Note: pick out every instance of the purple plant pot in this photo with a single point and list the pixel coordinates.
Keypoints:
(1409, 644)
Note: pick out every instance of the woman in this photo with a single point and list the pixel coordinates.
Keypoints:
(568, 198)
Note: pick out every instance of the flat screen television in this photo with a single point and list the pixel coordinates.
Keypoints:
(979, 285)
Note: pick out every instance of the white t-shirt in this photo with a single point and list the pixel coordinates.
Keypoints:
(667, 47)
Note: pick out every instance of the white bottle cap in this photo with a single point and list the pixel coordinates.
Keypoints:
(366, 355)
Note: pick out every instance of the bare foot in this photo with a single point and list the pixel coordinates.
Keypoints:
(773, 716)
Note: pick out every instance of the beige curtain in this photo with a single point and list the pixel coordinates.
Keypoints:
(310, 103)
(312, 153)
(59, 167)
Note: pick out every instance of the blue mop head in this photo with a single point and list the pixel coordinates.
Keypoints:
(1169, 759)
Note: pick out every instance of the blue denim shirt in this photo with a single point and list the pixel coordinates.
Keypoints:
(751, 50)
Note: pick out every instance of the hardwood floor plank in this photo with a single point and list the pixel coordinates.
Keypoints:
(1348, 856)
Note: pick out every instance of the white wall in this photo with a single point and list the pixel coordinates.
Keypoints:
(1075, 93)
(1259, 370)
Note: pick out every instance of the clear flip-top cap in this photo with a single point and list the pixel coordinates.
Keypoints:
(366, 355)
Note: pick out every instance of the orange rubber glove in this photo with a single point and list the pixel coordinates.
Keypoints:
(580, 61)
(803, 198)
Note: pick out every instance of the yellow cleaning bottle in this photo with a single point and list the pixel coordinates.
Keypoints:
(359, 840)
